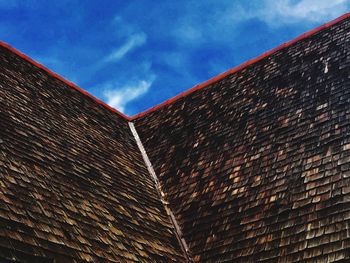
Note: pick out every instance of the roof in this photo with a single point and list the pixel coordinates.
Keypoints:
(256, 165)
(250, 166)
(73, 185)
(197, 87)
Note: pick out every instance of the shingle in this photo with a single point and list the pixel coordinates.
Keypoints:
(73, 184)
(268, 176)
(253, 163)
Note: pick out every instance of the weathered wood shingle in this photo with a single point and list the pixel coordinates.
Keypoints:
(73, 185)
(256, 166)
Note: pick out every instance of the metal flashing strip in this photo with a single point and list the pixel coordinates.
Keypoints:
(154, 177)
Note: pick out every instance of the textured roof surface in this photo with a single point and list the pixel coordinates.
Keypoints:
(255, 164)
(73, 185)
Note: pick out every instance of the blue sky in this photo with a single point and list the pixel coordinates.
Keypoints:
(136, 54)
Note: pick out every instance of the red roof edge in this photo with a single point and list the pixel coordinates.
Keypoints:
(55, 75)
(240, 67)
(185, 93)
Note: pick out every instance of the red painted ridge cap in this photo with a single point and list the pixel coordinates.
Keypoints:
(185, 93)
(240, 67)
(69, 83)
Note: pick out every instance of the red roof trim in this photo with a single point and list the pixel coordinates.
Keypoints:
(55, 75)
(185, 93)
(242, 66)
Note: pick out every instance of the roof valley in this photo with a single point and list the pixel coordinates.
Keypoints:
(152, 174)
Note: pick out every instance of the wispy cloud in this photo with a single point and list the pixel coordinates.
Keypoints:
(134, 41)
(119, 97)
(291, 11)
(193, 41)
(195, 28)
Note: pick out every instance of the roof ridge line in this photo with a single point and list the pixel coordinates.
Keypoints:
(186, 92)
(241, 66)
(67, 82)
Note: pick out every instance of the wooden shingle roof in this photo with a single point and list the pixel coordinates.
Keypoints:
(73, 185)
(256, 165)
(253, 164)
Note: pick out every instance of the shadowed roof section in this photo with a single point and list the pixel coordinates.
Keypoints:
(55, 75)
(73, 185)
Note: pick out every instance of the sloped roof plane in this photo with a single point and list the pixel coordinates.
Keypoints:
(250, 166)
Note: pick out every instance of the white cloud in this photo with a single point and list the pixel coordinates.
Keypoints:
(277, 13)
(134, 41)
(222, 21)
(119, 97)
(290, 11)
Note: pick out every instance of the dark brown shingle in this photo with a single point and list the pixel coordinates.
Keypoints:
(254, 164)
(73, 186)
